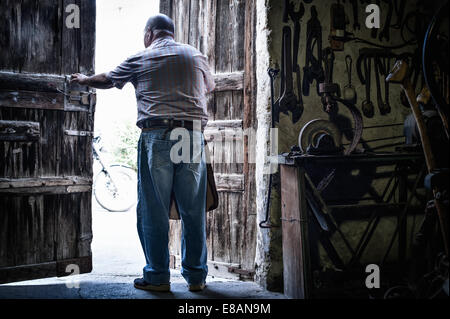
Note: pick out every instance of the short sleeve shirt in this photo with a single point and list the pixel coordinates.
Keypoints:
(171, 81)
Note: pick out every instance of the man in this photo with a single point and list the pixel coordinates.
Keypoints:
(171, 81)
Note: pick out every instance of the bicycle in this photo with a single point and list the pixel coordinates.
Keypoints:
(115, 186)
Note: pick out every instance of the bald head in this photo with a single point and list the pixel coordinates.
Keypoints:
(158, 26)
(160, 22)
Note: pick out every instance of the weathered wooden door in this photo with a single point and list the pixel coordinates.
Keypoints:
(223, 30)
(46, 128)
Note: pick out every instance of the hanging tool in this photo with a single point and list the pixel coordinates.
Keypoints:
(349, 89)
(330, 93)
(273, 73)
(337, 26)
(385, 67)
(385, 33)
(356, 24)
(288, 101)
(275, 118)
(327, 88)
(296, 16)
(367, 106)
(383, 107)
(313, 65)
(364, 63)
(286, 11)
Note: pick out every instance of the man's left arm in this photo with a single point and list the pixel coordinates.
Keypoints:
(98, 81)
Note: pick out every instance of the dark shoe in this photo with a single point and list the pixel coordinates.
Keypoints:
(197, 288)
(140, 283)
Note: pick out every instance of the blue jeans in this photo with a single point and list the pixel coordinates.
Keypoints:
(158, 178)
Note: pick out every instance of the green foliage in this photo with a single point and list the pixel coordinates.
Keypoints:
(124, 148)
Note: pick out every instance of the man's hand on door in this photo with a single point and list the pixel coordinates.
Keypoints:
(79, 78)
(98, 81)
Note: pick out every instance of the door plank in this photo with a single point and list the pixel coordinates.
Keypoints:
(33, 82)
(19, 131)
(44, 181)
(27, 230)
(232, 81)
(43, 270)
(233, 183)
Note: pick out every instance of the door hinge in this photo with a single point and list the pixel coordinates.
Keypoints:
(78, 133)
(78, 97)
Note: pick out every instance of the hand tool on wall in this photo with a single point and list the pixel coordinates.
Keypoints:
(385, 67)
(275, 118)
(327, 88)
(381, 58)
(356, 24)
(296, 16)
(286, 11)
(385, 33)
(288, 101)
(383, 107)
(337, 26)
(273, 73)
(399, 74)
(313, 65)
(367, 106)
(349, 89)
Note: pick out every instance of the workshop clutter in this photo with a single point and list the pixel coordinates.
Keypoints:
(396, 76)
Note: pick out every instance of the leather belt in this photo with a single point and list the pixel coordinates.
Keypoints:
(169, 124)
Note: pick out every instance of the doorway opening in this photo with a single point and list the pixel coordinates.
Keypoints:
(119, 34)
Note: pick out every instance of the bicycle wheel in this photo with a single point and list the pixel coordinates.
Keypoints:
(116, 189)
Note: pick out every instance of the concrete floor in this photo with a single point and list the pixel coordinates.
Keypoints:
(117, 261)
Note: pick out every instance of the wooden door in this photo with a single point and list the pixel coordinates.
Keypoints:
(46, 128)
(223, 30)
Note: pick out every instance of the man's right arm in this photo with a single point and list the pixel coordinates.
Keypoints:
(98, 81)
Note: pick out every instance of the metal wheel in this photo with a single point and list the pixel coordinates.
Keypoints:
(116, 189)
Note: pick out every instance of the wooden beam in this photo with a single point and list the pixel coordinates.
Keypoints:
(43, 190)
(224, 124)
(32, 100)
(19, 131)
(6, 183)
(229, 81)
(233, 183)
(294, 232)
(249, 121)
(31, 82)
(44, 270)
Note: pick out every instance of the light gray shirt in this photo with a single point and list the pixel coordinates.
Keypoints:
(171, 81)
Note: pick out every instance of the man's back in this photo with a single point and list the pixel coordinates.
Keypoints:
(171, 80)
